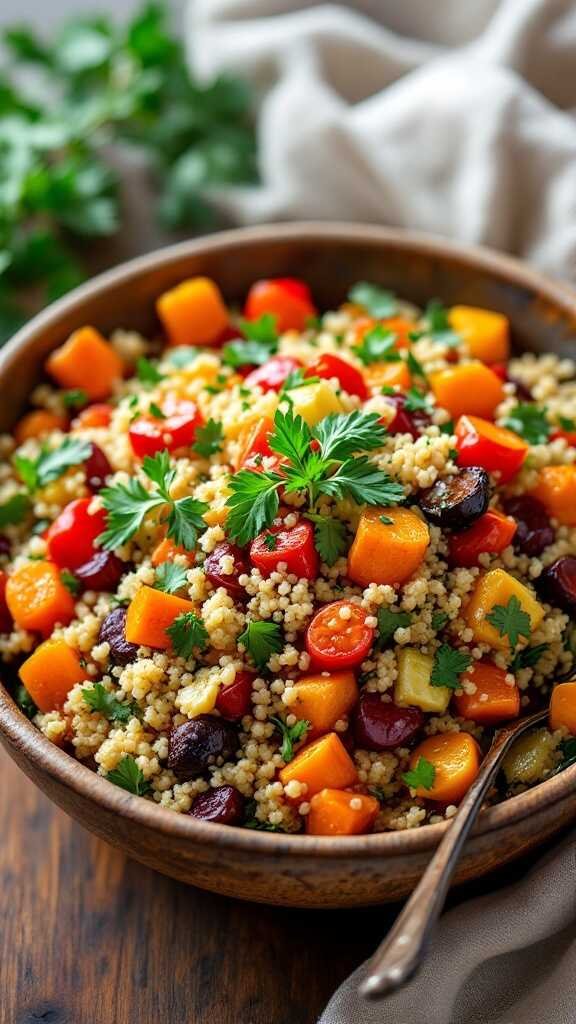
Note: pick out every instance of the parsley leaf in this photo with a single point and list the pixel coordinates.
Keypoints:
(567, 424)
(342, 434)
(25, 702)
(147, 373)
(439, 620)
(378, 345)
(209, 439)
(261, 640)
(270, 541)
(437, 319)
(129, 776)
(127, 506)
(416, 401)
(70, 581)
(260, 342)
(170, 578)
(253, 504)
(292, 438)
(422, 776)
(75, 398)
(416, 368)
(188, 633)
(155, 411)
(449, 664)
(50, 465)
(296, 379)
(528, 657)
(510, 620)
(389, 621)
(362, 481)
(13, 511)
(530, 422)
(329, 537)
(375, 300)
(291, 734)
(99, 699)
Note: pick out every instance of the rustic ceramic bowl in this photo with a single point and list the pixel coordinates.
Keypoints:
(273, 868)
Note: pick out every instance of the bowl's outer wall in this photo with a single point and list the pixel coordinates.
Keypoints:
(330, 258)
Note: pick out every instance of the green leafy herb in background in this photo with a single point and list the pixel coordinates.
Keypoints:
(104, 84)
(530, 422)
(375, 300)
(291, 734)
(51, 464)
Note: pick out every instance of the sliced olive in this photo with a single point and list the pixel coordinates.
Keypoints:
(458, 501)
(557, 584)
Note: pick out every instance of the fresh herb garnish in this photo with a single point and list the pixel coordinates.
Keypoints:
(375, 300)
(70, 581)
(209, 439)
(567, 424)
(52, 464)
(171, 577)
(147, 373)
(291, 734)
(329, 537)
(422, 775)
(439, 620)
(260, 342)
(378, 345)
(127, 506)
(438, 324)
(25, 702)
(510, 620)
(415, 367)
(129, 776)
(449, 664)
(528, 657)
(188, 634)
(296, 379)
(386, 520)
(155, 411)
(15, 510)
(99, 699)
(261, 640)
(270, 541)
(416, 401)
(75, 398)
(530, 422)
(389, 621)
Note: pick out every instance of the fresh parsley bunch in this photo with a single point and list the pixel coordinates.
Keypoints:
(318, 461)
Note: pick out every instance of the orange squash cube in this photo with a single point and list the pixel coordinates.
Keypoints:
(336, 812)
(37, 424)
(323, 764)
(37, 599)
(486, 333)
(456, 760)
(470, 388)
(563, 707)
(496, 588)
(495, 700)
(323, 699)
(387, 552)
(556, 489)
(86, 361)
(193, 313)
(150, 613)
(50, 673)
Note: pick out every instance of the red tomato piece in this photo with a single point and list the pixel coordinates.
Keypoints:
(335, 640)
(235, 700)
(271, 376)
(294, 546)
(6, 621)
(71, 539)
(149, 435)
(568, 435)
(490, 534)
(496, 449)
(97, 415)
(501, 370)
(255, 441)
(349, 378)
(287, 298)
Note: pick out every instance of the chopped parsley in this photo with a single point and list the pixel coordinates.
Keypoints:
(147, 372)
(330, 537)
(129, 776)
(155, 411)
(389, 621)
(449, 664)
(291, 734)
(386, 520)
(170, 577)
(261, 640)
(528, 657)
(270, 541)
(188, 634)
(128, 504)
(376, 301)
(70, 581)
(14, 510)
(97, 698)
(49, 465)
(416, 401)
(24, 701)
(415, 367)
(510, 620)
(378, 345)
(422, 776)
(438, 324)
(530, 422)
(259, 343)
(439, 620)
(296, 379)
(567, 424)
(75, 398)
(209, 439)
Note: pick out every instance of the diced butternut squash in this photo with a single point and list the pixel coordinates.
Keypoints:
(193, 313)
(166, 551)
(150, 613)
(37, 598)
(50, 673)
(495, 699)
(37, 424)
(324, 699)
(335, 812)
(529, 757)
(315, 402)
(388, 375)
(556, 489)
(470, 388)
(86, 361)
(486, 333)
(413, 687)
(456, 760)
(323, 764)
(563, 707)
(496, 588)
(387, 552)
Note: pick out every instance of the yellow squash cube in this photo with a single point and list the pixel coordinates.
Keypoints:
(485, 332)
(413, 686)
(496, 588)
(315, 401)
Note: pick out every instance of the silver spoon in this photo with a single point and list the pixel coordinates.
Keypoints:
(399, 956)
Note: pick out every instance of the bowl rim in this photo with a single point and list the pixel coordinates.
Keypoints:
(24, 737)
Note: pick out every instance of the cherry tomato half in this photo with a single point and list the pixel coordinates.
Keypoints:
(254, 440)
(177, 429)
(349, 378)
(294, 546)
(235, 700)
(71, 537)
(496, 449)
(490, 534)
(97, 415)
(271, 376)
(287, 298)
(338, 636)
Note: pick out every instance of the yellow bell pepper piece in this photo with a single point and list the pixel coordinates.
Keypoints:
(413, 687)
(496, 588)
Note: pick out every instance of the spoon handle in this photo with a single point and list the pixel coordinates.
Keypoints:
(400, 954)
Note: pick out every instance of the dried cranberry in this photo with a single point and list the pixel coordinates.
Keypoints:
(196, 744)
(557, 584)
(113, 632)
(384, 726)
(97, 468)
(224, 805)
(457, 501)
(235, 700)
(523, 394)
(534, 532)
(103, 572)
(406, 422)
(213, 568)
(5, 545)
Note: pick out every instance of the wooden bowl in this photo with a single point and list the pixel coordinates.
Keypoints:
(267, 867)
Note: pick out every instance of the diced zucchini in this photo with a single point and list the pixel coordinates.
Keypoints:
(529, 758)
(413, 687)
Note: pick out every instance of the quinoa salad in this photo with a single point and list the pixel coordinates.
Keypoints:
(288, 570)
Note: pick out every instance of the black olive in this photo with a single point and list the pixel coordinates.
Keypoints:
(113, 632)
(224, 804)
(196, 744)
(458, 501)
(534, 532)
(557, 584)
